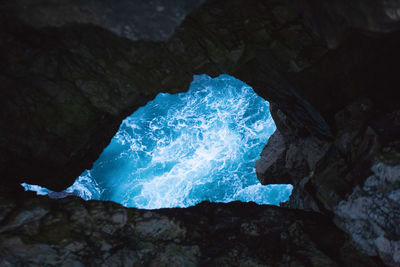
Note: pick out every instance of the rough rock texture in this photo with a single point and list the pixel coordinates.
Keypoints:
(287, 157)
(354, 178)
(371, 213)
(136, 20)
(332, 19)
(72, 232)
(68, 78)
(64, 93)
(273, 156)
(65, 90)
(354, 88)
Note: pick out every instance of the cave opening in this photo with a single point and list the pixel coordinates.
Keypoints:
(181, 149)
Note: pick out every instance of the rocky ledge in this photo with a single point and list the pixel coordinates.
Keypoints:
(72, 232)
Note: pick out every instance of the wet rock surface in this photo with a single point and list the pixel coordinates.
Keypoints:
(70, 231)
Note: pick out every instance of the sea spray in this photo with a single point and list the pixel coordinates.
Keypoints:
(181, 149)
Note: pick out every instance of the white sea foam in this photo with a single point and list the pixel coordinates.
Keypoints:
(181, 149)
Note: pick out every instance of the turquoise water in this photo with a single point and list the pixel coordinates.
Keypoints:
(181, 149)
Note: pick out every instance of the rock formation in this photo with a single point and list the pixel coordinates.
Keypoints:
(72, 232)
(71, 72)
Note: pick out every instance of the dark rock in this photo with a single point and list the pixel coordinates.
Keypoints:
(65, 90)
(69, 231)
(135, 20)
(269, 167)
(287, 127)
(371, 214)
(331, 19)
(57, 195)
(361, 67)
(289, 157)
(63, 96)
(68, 79)
(355, 179)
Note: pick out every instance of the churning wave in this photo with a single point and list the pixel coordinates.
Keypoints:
(181, 149)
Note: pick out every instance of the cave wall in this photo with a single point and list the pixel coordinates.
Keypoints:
(79, 81)
(353, 176)
(329, 70)
(64, 93)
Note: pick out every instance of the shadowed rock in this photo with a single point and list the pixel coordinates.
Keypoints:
(134, 19)
(64, 90)
(73, 232)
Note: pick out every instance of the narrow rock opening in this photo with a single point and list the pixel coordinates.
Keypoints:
(181, 149)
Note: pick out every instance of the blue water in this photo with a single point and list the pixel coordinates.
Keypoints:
(181, 149)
